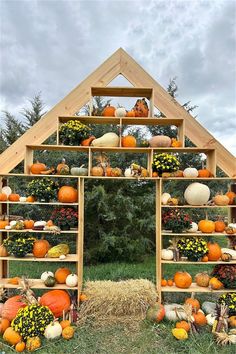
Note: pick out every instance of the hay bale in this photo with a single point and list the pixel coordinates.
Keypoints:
(114, 302)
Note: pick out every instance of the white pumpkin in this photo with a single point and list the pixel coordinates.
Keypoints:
(40, 223)
(230, 251)
(120, 112)
(197, 194)
(210, 319)
(128, 172)
(174, 312)
(23, 199)
(190, 172)
(71, 280)
(13, 223)
(167, 254)
(53, 330)
(193, 228)
(164, 198)
(46, 274)
(7, 190)
(233, 225)
(209, 307)
(62, 256)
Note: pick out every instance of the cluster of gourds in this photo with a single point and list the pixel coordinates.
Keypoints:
(140, 109)
(62, 275)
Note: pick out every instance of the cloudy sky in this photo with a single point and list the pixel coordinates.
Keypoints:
(51, 45)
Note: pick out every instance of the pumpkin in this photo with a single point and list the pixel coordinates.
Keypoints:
(3, 223)
(190, 172)
(221, 199)
(163, 282)
(215, 284)
(40, 248)
(14, 281)
(61, 275)
(174, 312)
(11, 307)
(57, 301)
(209, 307)
(230, 230)
(154, 174)
(214, 251)
(232, 321)
(97, 171)
(28, 224)
(37, 168)
(7, 190)
(88, 141)
(173, 201)
(46, 274)
(202, 279)
(164, 198)
(53, 330)
(176, 143)
(219, 225)
(204, 173)
(206, 226)
(197, 194)
(170, 282)
(50, 281)
(210, 319)
(3, 197)
(130, 113)
(204, 259)
(230, 251)
(3, 251)
(12, 337)
(107, 140)
(116, 172)
(141, 108)
(109, 111)
(226, 257)
(120, 112)
(14, 197)
(72, 280)
(4, 324)
(62, 168)
(193, 228)
(180, 333)
(182, 280)
(167, 254)
(200, 318)
(65, 323)
(83, 298)
(68, 332)
(183, 324)
(128, 141)
(160, 141)
(156, 313)
(20, 347)
(30, 199)
(33, 343)
(67, 194)
(231, 195)
(193, 302)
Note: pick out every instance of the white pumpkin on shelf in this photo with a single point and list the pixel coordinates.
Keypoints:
(72, 280)
(46, 274)
(7, 190)
(164, 198)
(129, 172)
(190, 172)
(197, 194)
(167, 254)
(193, 228)
(120, 112)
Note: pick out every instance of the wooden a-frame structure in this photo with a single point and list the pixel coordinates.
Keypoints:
(118, 63)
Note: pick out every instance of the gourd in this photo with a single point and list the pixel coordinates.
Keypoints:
(57, 301)
(50, 281)
(68, 332)
(67, 194)
(174, 312)
(37, 168)
(87, 142)
(128, 141)
(33, 343)
(109, 111)
(200, 318)
(202, 279)
(97, 171)
(141, 108)
(229, 251)
(232, 321)
(226, 257)
(11, 307)
(164, 198)
(4, 324)
(214, 251)
(79, 171)
(167, 254)
(46, 274)
(160, 141)
(20, 347)
(129, 172)
(221, 199)
(193, 302)
(72, 280)
(193, 228)
(156, 313)
(53, 330)
(180, 333)
(182, 280)
(12, 337)
(231, 195)
(209, 307)
(57, 251)
(190, 172)
(62, 168)
(107, 140)
(61, 275)
(197, 194)
(215, 284)
(120, 112)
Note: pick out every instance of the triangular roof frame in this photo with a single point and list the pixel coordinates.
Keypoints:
(118, 63)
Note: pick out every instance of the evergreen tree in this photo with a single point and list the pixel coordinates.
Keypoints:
(12, 130)
(35, 112)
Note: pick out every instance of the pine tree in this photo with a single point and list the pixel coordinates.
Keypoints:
(35, 112)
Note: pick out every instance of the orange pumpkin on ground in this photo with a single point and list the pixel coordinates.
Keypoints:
(83, 298)
(68, 332)
(231, 195)
(128, 141)
(57, 301)
(109, 111)
(61, 275)
(200, 318)
(40, 248)
(219, 226)
(65, 323)
(215, 284)
(182, 280)
(11, 307)
(28, 224)
(12, 337)
(14, 197)
(4, 324)
(204, 173)
(156, 313)
(214, 251)
(206, 226)
(3, 197)
(67, 194)
(232, 321)
(193, 302)
(183, 324)
(37, 168)
(20, 347)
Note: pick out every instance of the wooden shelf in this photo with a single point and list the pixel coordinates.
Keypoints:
(198, 206)
(37, 284)
(39, 203)
(31, 258)
(202, 263)
(194, 288)
(116, 91)
(40, 231)
(195, 234)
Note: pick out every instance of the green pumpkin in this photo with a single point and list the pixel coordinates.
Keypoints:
(50, 281)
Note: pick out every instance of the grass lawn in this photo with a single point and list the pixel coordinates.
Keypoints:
(149, 339)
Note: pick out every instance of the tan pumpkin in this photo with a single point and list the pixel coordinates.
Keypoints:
(202, 279)
(214, 251)
(221, 199)
(160, 141)
(97, 171)
(12, 337)
(182, 280)
(67, 194)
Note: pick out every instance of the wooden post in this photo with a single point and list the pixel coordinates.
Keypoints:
(158, 238)
(211, 161)
(181, 132)
(80, 236)
(29, 158)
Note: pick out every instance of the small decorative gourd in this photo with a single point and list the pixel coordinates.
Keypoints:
(72, 280)
(194, 227)
(164, 198)
(33, 343)
(46, 274)
(120, 112)
(53, 330)
(68, 332)
(167, 254)
(190, 172)
(180, 333)
(50, 281)
(221, 199)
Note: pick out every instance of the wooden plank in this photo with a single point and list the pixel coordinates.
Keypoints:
(80, 237)
(39, 203)
(195, 288)
(31, 258)
(117, 91)
(158, 239)
(195, 234)
(196, 263)
(38, 231)
(199, 206)
(36, 284)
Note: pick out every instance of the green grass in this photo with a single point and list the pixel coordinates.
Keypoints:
(149, 339)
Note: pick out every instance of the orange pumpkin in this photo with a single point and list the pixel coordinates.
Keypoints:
(130, 113)
(214, 251)
(37, 168)
(14, 281)
(215, 284)
(3, 251)
(219, 226)
(231, 195)
(67, 194)
(30, 199)
(40, 248)
(87, 142)
(108, 172)
(20, 347)
(128, 141)
(175, 143)
(28, 224)
(3, 197)
(97, 171)
(170, 282)
(204, 173)
(4, 324)
(154, 174)
(206, 226)
(183, 324)
(12, 337)
(63, 168)
(200, 318)
(163, 282)
(109, 111)
(182, 280)
(11, 307)
(57, 301)
(50, 223)
(14, 197)
(61, 275)
(232, 321)
(3, 223)
(156, 313)
(204, 259)
(193, 302)
(141, 108)
(83, 297)
(65, 323)
(68, 332)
